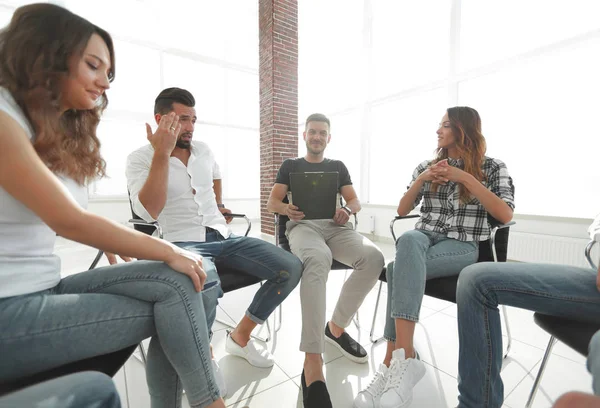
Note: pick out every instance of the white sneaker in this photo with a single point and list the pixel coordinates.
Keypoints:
(403, 375)
(256, 356)
(370, 396)
(220, 378)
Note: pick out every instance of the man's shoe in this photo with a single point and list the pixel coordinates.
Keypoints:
(316, 395)
(220, 379)
(256, 356)
(370, 396)
(347, 345)
(403, 375)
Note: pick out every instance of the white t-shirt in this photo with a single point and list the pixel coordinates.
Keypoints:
(185, 215)
(27, 262)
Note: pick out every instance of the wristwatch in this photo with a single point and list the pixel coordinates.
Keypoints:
(221, 205)
(348, 210)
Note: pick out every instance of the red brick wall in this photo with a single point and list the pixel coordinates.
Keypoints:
(278, 73)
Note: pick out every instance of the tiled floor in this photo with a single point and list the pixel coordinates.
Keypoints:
(436, 338)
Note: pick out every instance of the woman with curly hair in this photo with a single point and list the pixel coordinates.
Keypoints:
(54, 70)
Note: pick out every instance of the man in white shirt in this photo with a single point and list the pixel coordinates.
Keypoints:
(176, 181)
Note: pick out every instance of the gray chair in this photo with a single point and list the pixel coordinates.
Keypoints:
(575, 334)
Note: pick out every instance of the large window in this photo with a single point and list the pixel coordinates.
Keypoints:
(207, 47)
(529, 68)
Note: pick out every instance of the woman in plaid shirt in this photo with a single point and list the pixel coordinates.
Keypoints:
(457, 190)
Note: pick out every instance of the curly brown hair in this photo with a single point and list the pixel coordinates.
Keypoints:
(470, 143)
(35, 49)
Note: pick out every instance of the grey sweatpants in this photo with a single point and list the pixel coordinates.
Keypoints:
(317, 243)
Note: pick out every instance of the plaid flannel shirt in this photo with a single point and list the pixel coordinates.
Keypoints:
(443, 212)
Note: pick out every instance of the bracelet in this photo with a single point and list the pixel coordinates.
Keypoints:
(220, 205)
(348, 210)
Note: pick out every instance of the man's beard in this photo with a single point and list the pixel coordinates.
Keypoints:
(311, 150)
(183, 144)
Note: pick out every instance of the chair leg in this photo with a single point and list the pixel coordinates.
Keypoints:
(142, 353)
(278, 321)
(356, 320)
(538, 379)
(375, 315)
(509, 343)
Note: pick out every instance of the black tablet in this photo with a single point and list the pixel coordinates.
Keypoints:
(315, 193)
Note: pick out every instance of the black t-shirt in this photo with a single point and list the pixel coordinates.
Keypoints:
(300, 165)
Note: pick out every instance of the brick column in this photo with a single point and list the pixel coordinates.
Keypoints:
(278, 73)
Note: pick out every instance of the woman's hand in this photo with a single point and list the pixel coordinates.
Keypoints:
(189, 264)
(443, 173)
(598, 279)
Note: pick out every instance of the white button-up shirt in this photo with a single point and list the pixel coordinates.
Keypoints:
(185, 215)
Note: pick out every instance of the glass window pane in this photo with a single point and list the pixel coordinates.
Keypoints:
(137, 80)
(242, 99)
(403, 134)
(242, 34)
(243, 164)
(118, 138)
(330, 60)
(345, 144)
(494, 30)
(410, 44)
(539, 117)
(206, 82)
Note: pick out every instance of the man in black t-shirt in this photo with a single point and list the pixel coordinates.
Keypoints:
(317, 243)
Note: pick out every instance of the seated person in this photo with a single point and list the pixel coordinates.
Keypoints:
(458, 188)
(557, 290)
(54, 70)
(80, 390)
(176, 181)
(580, 399)
(317, 243)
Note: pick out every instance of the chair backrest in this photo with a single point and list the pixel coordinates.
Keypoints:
(501, 241)
(146, 229)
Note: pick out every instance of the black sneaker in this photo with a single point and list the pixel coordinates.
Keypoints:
(347, 345)
(315, 395)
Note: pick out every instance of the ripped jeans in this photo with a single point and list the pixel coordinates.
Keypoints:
(256, 257)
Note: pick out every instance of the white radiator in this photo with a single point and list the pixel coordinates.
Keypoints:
(524, 247)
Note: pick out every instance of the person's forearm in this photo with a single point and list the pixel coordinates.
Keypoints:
(491, 202)
(354, 205)
(109, 236)
(407, 202)
(218, 190)
(276, 206)
(153, 195)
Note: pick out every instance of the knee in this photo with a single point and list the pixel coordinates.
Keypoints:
(316, 258)
(595, 345)
(575, 399)
(472, 280)
(98, 387)
(411, 239)
(291, 271)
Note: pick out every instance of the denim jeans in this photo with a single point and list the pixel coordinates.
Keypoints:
(81, 390)
(107, 309)
(593, 362)
(421, 255)
(254, 256)
(558, 290)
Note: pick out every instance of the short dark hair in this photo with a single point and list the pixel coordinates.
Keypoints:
(164, 101)
(317, 117)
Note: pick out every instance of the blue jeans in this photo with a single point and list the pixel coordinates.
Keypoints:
(81, 390)
(421, 255)
(593, 362)
(256, 257)
(558, 290)
(107, 309)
